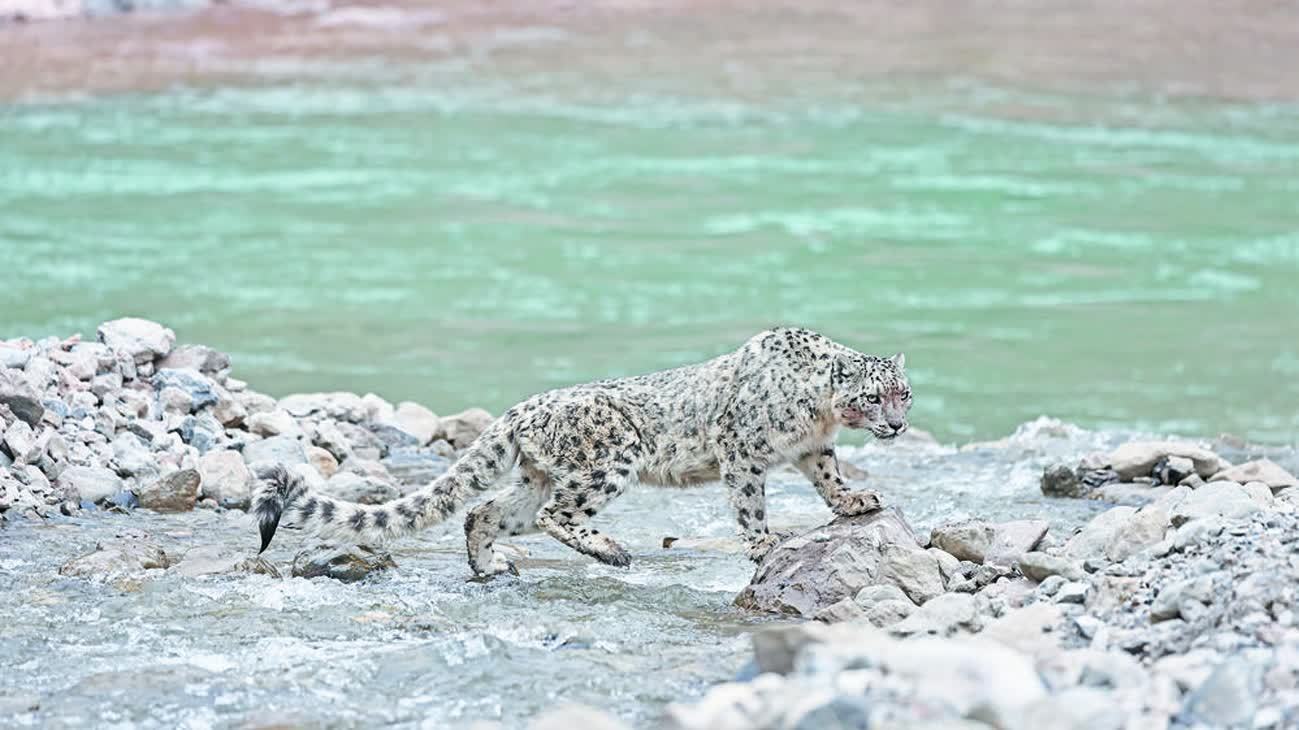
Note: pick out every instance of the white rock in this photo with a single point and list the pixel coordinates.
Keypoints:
(225, 477)
(1259, 470)
(418, 421)
(377, 410)
(20, 442)
(1219, 499)
(462, 428)
(91, 484)
(143, 340)
(323, 461)
(1145, 528)
(337, 405)
(274, 423)
(567, 717)
(940, 616)
(1096, 535)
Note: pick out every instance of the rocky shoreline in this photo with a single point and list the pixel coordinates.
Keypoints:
(1172, 609)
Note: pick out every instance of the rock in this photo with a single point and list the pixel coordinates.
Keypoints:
(203, 432)
(20, 442)
(132, 457)
(14, 357)
(338, 406)
(214, 560)
(414, 466)
(1030, 629)
(323, 461)
(225, 478)
(142, 340)
(462, 428)
(1197, 531)
(229, 411)
(273, 423)
(1221, 499)
(1259, 470)
(1075, 708)
(348, 563)
(377, 410)
(1138, 458)
(1039, 566)
(979, 542)
(418, 421)
(330, 438)
(202, 391)
(175, 400)
(948, 566)
(845, 610)
(253, 402)
(1145, 528)
(1181, 598)
(1172, 470)
(355, 488)
(1096, 535)
(566, 717)
(1129, 494)
(90, 483)
(852, 472)
(117, 556)
(176, 492)
(20, 399)
(393, 437)
(820, 568)
(1073, 592)
(1061, 481)
(275, 450)
(727, 545)
(196, 357)
(1228, 698)
(942, 616)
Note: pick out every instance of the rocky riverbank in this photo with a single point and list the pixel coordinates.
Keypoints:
(1172, 607)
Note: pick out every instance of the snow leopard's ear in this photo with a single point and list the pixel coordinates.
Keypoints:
(899, 360)
(846, 367)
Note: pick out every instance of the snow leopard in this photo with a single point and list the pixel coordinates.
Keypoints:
(564, 455)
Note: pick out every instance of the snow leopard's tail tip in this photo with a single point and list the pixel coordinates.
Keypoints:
(276, 489)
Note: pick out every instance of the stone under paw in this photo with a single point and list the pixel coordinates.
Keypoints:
(761, 546)
(499, 566)
(849, 504)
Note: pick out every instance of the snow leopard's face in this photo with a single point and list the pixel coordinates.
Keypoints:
(872, 393)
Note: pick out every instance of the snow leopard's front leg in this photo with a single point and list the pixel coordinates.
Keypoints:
(822, 469)
(746, 486)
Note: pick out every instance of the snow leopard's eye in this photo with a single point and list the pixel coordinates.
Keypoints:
(873, 399)
(906, 395)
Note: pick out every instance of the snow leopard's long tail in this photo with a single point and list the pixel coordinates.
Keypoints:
(281, 493)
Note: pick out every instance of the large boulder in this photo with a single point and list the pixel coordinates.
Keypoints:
(90, 483)
(347, 563)
(225, 478)
(1259, 470)
(1138, 458)
(176, 492)
(142, 340)
(994, 543)
(1222, 499)
(813, 571)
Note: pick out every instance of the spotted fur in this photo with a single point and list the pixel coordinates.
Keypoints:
(781, 398)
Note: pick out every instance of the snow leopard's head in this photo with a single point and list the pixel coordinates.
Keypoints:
(871, 393)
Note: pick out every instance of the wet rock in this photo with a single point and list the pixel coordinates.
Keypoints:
(1060, 480)
(215, 560)
(418, 421)
(91, 483)
(1259, 470)
(820, 568)
(347, 563)
(1172, 470)
(176, 492)
(1039, 566)
(337, 405)
(142, 340)
(1138, 458)
(275, 450)
(200, 389)
(273, 423)
(355, 488)
(117, 556)
(225, 478)
(462, 428)
(20, 399)
(980, 542)
(414, 466)
(196, 357)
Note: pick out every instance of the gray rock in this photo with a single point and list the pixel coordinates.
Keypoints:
(215, 560)
(202, 391)
(1145, 528)
(20, 442)
(132, 457)
(203, 432)
(845, 610)
(14, 357)
(225, 478)
(1039, 566)
(1096, 535)
(142, 340)
(176, 492)
(1172, 470)
(117, 556)
(196, 357)
(820, 568)
(1138, 458)
(91, 483)
(414, 466)
(355, 488)
(462, 428)
(1075, 708)
(347, 563)
(1176, 599)
(275, 450)
(1060, 480)
(980, 542)
(20, 399)
(338, 406)
(1197, 531)
(1229, 697)
(968, 540)
(378, 410)
(175, 400)
(419, 421)
(889, 612)
(393, 437)
(1224, 499)
(328, 436)
(1259, 470)
(1073, 592)
(942, 616)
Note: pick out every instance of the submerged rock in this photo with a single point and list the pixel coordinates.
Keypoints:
(813, 571)
(348, 563)
(117, 556)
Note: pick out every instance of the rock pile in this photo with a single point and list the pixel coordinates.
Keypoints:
(1177, 614)
(133, 420)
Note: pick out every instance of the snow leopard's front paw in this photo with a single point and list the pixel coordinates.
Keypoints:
(849, 504)
(763, 544)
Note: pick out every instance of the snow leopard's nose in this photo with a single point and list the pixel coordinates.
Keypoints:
(897, 426)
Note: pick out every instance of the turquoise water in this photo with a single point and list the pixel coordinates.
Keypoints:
(1113, 261)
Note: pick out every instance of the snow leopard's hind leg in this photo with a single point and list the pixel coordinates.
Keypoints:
(512, 512)
(579, 496)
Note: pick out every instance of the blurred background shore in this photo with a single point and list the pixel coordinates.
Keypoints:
(1086, 210)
